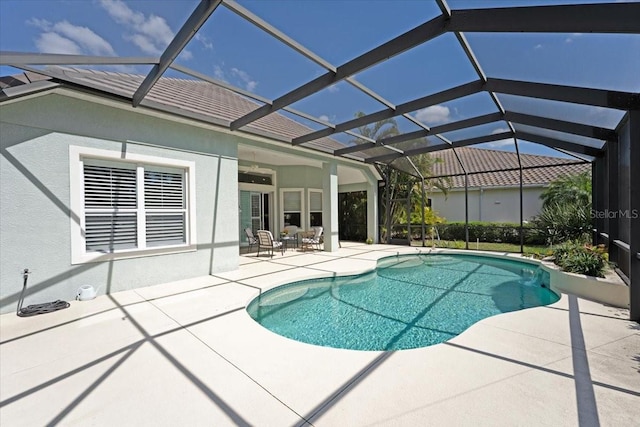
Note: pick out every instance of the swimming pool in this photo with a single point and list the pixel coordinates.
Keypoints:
(407, 302)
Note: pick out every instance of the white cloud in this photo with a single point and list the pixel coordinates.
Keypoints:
(234, 76)
(204, 40)
(85, 37)
(243, 75)
(251, 86)
(50, 42)
(245, 78)
(328, 118)
(64, 37)
(218, 72)
(538, 46)
(121, 13)
(501, 143)
(434, 114)
(144, 44)
(186, 55)
(572, 37)
(151, 34)
(333, 89)
(43, 24)
(156, 29)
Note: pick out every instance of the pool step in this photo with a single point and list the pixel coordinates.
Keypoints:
(439, 260)
(409, 261)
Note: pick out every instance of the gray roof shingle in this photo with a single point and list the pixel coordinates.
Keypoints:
(223, 105)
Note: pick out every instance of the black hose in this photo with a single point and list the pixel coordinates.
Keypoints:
(32, 310)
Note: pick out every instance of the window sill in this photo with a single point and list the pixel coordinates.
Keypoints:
(134, 253)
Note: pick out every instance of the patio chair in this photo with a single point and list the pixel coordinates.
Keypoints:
(310, 242)
(291, 230)
(250, 237)
(265, 241)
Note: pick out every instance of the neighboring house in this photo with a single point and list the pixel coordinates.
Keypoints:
(96, 192)
(495, 197)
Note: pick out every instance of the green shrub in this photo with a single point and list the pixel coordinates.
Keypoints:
(581, 259)
(495, 232)
(564, 222)
(561, 252)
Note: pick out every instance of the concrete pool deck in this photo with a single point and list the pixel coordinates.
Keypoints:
(187, 353)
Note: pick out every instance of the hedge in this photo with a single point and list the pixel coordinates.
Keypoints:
(502, 232)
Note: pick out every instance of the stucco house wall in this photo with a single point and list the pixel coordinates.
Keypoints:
(35, 209)
(297, 177)
(489, 204)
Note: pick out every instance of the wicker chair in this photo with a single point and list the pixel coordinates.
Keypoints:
(265, 241)
(312, 242)
(253, 240)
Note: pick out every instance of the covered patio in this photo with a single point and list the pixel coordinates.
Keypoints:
(595, 122)
(185, 351)
(188, 353)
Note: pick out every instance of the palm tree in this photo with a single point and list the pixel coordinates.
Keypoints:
(568, 189)
(402, 185)
(566, 209)
(382, 129)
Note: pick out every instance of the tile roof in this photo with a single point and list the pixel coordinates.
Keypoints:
(205, 99)
(481, 159)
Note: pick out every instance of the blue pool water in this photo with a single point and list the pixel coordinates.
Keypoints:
(407, 302)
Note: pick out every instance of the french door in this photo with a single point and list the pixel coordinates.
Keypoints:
(255, 210)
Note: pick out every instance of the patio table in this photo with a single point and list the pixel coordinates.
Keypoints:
(286, 239)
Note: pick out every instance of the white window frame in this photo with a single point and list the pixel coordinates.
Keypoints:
(302, 206)
(77, 155)
(309, 191)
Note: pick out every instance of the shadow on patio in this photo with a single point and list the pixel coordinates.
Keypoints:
(187, 352)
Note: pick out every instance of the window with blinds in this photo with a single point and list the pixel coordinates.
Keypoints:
(292, 206)
(165, 213)
(132, 206)
(315, 208)
(256, 211)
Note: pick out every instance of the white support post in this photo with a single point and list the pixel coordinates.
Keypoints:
(372, 208)
(330, 206)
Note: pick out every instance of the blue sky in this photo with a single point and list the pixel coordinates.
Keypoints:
(229, 48)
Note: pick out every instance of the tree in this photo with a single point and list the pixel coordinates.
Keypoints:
(568, 189)
(566, 209)
(562, 222)
(378, 130)
(352, 207)
(403, 185)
